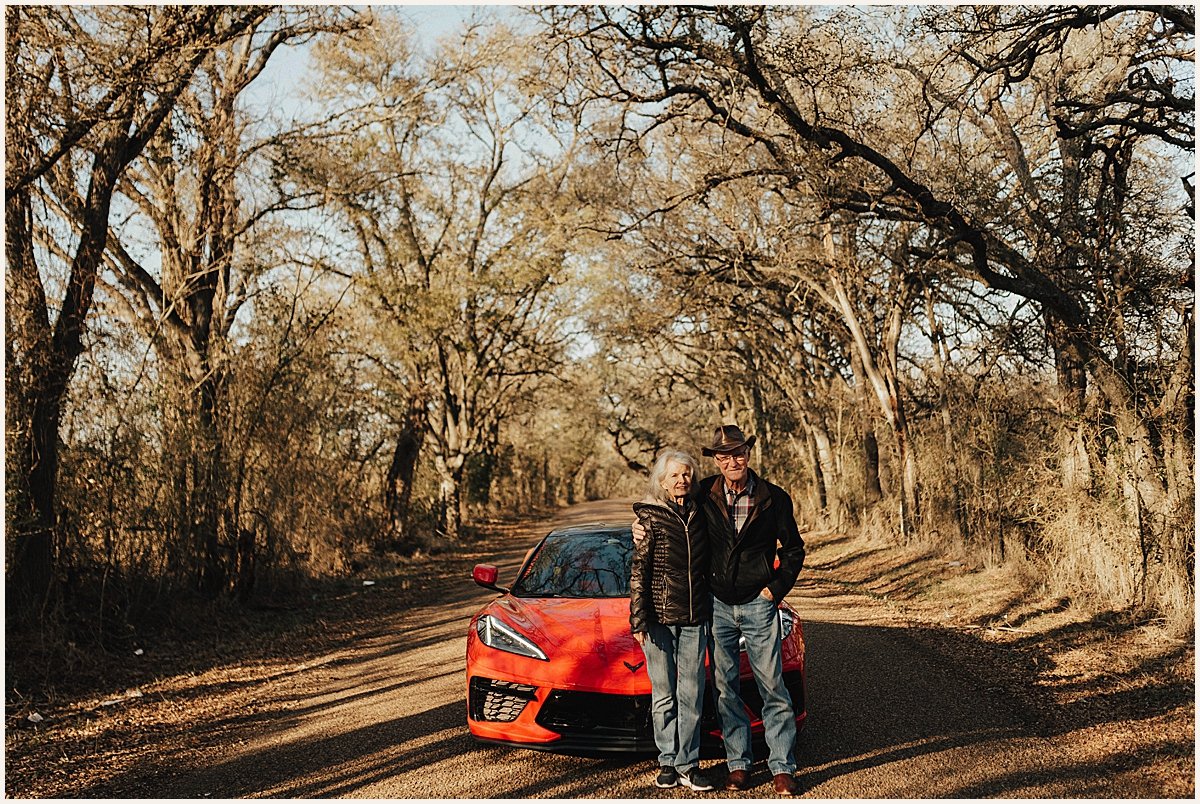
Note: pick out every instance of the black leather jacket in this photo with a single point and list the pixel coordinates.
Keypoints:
(743, 564)
(668, 581)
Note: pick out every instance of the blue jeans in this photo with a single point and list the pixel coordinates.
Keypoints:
(675, 664)
(758, 622)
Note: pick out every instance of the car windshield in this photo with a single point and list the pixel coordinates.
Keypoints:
(579, 564)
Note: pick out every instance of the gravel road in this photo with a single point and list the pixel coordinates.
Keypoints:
(890, 716)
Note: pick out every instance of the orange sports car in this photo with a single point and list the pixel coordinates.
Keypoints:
(552, 665)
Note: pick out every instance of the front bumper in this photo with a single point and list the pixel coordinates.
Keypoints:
(579, 722)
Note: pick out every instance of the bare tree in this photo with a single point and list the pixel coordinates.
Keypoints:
(87, 89)
(1093, 191)
(194, 185)
(453, 185)
(1052, 194)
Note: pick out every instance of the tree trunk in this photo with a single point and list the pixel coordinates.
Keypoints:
(833, 507)
(941, 360)
(872, 487)
(208, 492)
(450, 496)
(31, 520)
(207, 284)
(1137, 461)
(33, 562)
(399, 486)
(910, 512)
(573, 481)
(49, 362)
(1075, 467)
(247, 557)
(887, 391)
(549, 493)
(1177, 414)
(883, 378)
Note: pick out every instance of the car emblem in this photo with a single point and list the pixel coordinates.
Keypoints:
(633, 668)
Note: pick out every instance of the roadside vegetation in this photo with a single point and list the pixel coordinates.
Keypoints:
(267, 326)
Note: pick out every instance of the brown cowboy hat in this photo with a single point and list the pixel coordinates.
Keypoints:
(728, 438)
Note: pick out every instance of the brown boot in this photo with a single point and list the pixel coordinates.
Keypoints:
(737, 780)
(785, 784)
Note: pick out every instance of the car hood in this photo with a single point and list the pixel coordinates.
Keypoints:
(587, 642)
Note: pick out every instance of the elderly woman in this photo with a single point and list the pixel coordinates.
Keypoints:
(670, 609)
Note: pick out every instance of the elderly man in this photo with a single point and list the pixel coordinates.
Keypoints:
(750, 523)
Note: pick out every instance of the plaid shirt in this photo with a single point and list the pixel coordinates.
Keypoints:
(739, 503)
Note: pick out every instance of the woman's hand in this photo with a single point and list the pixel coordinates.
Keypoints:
(640, 637)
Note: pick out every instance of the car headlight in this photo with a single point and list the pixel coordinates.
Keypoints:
(787, 621)
(495, 633)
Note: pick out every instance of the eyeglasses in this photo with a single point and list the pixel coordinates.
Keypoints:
(731, 457)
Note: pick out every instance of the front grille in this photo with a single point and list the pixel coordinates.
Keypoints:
(596, 714)
(498, 701)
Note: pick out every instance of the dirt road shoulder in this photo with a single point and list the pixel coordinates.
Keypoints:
(1113, 698)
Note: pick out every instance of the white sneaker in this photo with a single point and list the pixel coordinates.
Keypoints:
(667, 777)
(695, 780)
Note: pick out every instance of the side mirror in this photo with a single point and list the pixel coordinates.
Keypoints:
(485, 575)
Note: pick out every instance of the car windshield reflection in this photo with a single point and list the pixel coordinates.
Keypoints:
(579, 564)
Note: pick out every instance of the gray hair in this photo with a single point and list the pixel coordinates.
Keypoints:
(659, 471)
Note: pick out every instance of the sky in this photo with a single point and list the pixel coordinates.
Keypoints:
(280, 87)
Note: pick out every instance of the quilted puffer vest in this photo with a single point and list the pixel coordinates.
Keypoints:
(669, 580)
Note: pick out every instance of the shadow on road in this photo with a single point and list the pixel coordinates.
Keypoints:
(879, 699)
(324, 766)
(879, 696)
(876, 698)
